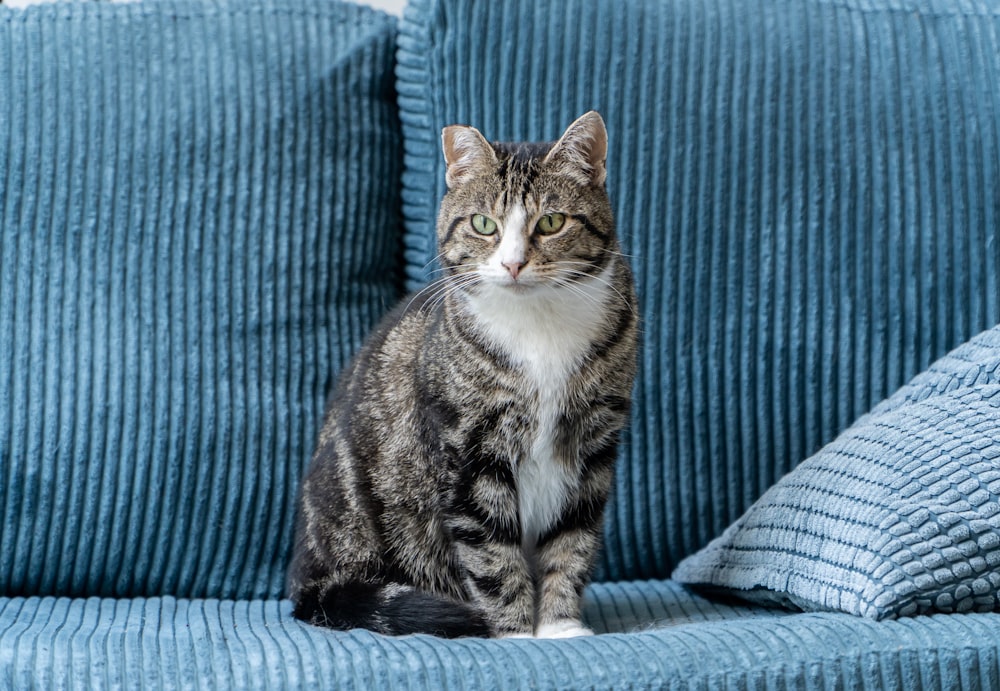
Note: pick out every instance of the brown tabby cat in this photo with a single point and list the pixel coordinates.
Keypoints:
(466, 457)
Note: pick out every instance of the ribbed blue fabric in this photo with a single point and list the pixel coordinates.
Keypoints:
(165, 643)
(807, 189)
(198, 224)
(899, 515)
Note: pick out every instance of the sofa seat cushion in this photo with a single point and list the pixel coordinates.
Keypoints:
(663, 637)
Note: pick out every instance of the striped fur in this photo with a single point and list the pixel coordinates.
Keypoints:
(462, 470)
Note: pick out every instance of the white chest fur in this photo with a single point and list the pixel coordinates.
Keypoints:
(546, 333)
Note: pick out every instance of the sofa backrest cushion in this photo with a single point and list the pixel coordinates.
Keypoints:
(198, 223)
(808, 190)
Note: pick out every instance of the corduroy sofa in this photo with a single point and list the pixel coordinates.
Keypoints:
(205, 205)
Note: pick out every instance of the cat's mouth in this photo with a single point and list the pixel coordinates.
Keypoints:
(531, 279)
(525, 282)
(520, 287)
(505, 283)
(535, 285)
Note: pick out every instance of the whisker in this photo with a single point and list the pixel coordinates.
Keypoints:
(432, 286)
(574, 287)
(599, 278)
(572, 262)
(453, 287)
(456, 266)
(620, 254)
(435, 287)
(433, 259)
(446, 286)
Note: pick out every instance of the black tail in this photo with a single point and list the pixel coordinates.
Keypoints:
(392, 609)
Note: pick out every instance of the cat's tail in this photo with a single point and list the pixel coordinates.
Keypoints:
(391, 609)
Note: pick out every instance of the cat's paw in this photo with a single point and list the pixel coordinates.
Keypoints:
(517, 635)
(565, 628)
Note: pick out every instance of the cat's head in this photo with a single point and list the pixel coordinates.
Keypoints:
(526, 216)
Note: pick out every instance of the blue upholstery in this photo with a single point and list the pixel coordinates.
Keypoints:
(899, 515)
(171, 643)
(198, 225)
(808, 190)
(201, 216)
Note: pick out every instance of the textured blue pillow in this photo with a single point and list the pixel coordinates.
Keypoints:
(900, 515)
(807, 190)
(198, 224)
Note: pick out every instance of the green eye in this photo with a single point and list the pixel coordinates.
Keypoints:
(484, 225)
(551, 223)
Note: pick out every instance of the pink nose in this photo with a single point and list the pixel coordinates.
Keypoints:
(514, 268)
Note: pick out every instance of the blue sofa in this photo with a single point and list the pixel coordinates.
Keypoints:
(205, 205)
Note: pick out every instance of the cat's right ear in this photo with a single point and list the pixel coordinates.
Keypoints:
(466, 153)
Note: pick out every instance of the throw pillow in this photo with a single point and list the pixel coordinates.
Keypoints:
(900, 515)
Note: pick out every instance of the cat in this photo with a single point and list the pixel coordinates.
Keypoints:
(468, 451)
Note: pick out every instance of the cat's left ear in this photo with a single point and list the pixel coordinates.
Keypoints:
(583, 149)
(466, 153)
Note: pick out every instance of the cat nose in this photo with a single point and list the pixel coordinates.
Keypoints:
(514, 267)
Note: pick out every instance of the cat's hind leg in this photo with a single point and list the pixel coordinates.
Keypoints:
(335, 593)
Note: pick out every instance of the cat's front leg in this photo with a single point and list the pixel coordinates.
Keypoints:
(564, 561)
(499, 582)
(565, 554)
(487, 536)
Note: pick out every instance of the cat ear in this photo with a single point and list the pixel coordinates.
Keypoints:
(466, 153)
(582, 149)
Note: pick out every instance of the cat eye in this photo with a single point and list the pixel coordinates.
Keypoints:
(551, 223)
(484, 225)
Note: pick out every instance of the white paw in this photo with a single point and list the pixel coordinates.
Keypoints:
(565, 628)
(517, 635)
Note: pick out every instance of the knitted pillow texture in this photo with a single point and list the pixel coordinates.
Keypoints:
(198, 216)
(900, 515)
